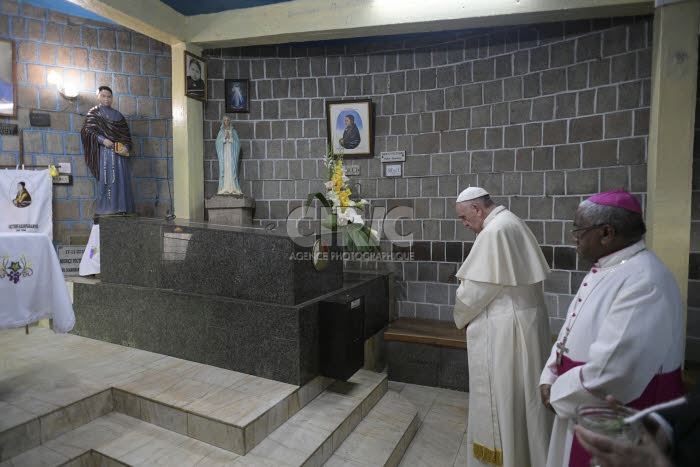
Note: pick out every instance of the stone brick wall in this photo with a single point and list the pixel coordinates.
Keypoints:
(693, 328)
(541, 116)
(89, 54)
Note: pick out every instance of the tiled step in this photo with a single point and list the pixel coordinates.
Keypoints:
(306, 439)
(51, 384)
(382, 437)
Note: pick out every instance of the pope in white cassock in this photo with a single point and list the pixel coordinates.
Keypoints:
(623, 333)
(500, 301)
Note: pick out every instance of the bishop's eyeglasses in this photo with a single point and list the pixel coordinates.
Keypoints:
(576, 233)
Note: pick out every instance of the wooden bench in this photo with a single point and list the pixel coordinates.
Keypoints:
(428, 352)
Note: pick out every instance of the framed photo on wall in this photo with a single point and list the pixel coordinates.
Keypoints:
(350, 128)
(195, 77)
(8, 84)
(237, 95)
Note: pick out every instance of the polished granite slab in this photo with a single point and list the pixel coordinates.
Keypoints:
(269, 340)
(249, 263)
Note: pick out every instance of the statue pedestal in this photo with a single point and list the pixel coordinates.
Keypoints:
(230, 209)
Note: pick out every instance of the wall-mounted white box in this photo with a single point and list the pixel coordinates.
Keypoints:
(392, 170)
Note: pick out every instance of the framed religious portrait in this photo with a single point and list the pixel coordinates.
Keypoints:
(237, 95)
(350, 129)
(8, 83)
(195, 77)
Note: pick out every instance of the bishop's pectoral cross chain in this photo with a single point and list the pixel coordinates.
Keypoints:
(562, 349)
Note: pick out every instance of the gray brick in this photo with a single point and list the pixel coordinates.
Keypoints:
(543, 108)
(541, 207)
(614, 178)
(633, 151)
(554, 183)
(562, 53)
(511, 183)
(523, 159)
(494, 138)
(565, 206)
(581, 182)
(542, 158)
(531, 85)
(553, 81)
(512, 88)
(66, 210)
(453, 97)
(435, 100)
(483, 70)
(520, 111)
(73, 144)
(606, 99)
(553, 233)
(481, 116)
(504, 160)
(482, 161)
(599, 154)
(513, 136)
(504, 66)
(630, 95)
(567, 156)
(644, 63)
(475, 139)
(565, 105)
(519, 206)
(426, 143)
(599, 72)
(588, 47)
(493, 92)
(521, 62)
(442, 120)
(585, 129)
(54, 143)
(533, 134)
(453, 141)
(491, 182)
(473, 95)
(459, 163)
(428, 78)
(463, 73)
(618, 124)
(615, 41)
(624, 67)
(499, 114)
(539, 58)
(577, 76)
(533, 183)
(638, 178)
(554, 132)
(586, 102)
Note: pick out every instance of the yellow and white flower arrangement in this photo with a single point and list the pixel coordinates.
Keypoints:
(345, 214)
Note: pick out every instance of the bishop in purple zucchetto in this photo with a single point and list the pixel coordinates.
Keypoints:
(619, 199)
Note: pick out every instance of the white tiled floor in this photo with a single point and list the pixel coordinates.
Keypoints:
(43, 371)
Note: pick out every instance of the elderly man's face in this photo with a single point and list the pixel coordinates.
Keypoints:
(470, 216)
(588, 238)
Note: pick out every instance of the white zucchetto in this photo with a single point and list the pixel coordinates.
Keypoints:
(470, 193)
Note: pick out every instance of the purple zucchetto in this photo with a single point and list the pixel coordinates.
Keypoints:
(619, 199)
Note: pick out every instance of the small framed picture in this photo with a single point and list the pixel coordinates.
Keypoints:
(392, 170)
(350, 128)
(195, 77)
(8, 84)
(237, 95)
